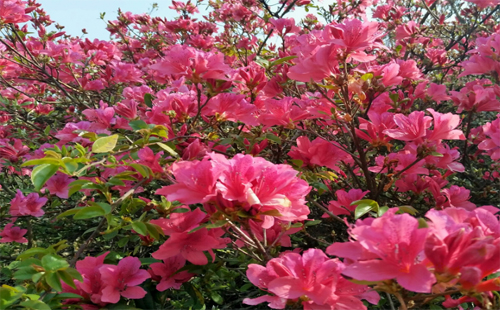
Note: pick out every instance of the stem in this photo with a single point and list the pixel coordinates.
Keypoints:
(467, 132)
(333, 216)
(390, 301)
(401, 301)
(29, 235)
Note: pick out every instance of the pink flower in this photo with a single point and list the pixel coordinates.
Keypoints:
(379, 122)
(92, 285)
(286, 112)
(150, 159)
(464, 242)
(458, 197)
(264, 186)
(123, 280)
(59, 185)
(29, 205)
(492, 143)
(485, 58)
(444, 127)
(195, 182)
(410, 128)
(344, 201)
(284, 25)
(13, 11)
(395, 241)
(355, 36)
(476, 97)
(167, 273)
(103, 115)
(13, 152)
(311, 276)
(11, 233)
(320, 63)
(181, 242)
(231, 107)
(318, 152)
(193, 64)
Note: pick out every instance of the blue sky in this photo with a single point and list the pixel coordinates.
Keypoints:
(79, 14)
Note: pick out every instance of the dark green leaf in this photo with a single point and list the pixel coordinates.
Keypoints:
(89, 212)
(148, 100)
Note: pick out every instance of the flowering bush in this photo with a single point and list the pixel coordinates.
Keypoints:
(346, 160)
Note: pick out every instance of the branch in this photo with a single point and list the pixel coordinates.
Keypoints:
(335, 217)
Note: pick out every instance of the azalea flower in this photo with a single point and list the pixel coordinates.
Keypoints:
(29, 205)
(310, 277)
(11, 233)
(394, 243)
(123, 280)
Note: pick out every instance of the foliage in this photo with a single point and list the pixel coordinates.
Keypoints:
(348, 160)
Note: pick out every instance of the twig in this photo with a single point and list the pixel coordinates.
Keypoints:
(329, 212)
(390, 301)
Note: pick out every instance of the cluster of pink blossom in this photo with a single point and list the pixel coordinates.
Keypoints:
(235, 126)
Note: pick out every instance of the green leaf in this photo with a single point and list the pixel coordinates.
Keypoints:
(69, 212)
(8, 296)
(25, 273)
(149, 260)
(115, 182)
(364, 206)
(367, 76)
(168, 149)
(381, 211)
(140, 228)
(105, 144)
(179, 210)
(67, 296)
(53, 263)
(35, 304)
(407, 209)
(217, 298)
(32, 252)
(41, 174)
(54, 281)
(138, 125)
(312, 223)
(148, 100)
(282, 60)
(297, 162)
(217, 224)
(67, 278)
(273, 138)
(272, 212)
(41, 161)
(145, 171)
(105, 206)
(422, 223)
(436, 154)
(89, 212)
(154, 230)
(74, 274)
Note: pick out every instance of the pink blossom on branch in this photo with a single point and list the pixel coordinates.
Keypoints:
(395, 243)
(311, 276)
(123, 280)
(11, 233)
